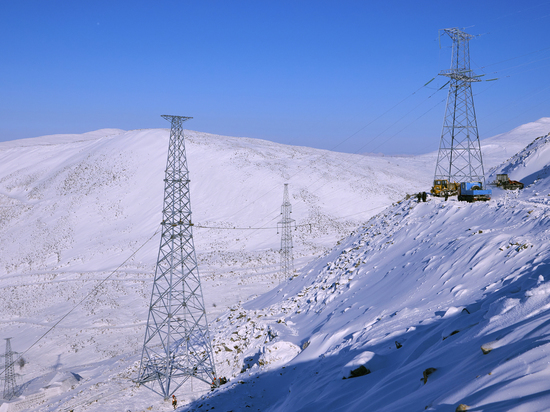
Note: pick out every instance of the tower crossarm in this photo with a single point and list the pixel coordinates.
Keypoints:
(461, 75)
(178, 119)
(458, 34)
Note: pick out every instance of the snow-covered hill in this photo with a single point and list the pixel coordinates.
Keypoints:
(74, 208)
(498, 148)
(83, 203)
(529, 165)
(444, 303)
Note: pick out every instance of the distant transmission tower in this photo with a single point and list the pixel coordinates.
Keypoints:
(286, 224)
(459, 157)
(177, 343)
(10, 388)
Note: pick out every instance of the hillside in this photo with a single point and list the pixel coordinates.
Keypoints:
(498, 148)
(84, 203)
(419, 287)
(74, 208)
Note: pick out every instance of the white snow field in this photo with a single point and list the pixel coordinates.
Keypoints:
(438, 279)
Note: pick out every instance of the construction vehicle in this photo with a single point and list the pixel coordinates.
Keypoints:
(473, 191)
(444, 188)
(504, 181)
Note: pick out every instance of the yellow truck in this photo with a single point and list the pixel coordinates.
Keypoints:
(444, 188)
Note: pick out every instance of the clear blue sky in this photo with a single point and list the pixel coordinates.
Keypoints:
(311, 73)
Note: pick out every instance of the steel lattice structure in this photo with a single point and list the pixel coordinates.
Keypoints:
(177, 343)
(286, 224)
(10, 387)
(459, 157)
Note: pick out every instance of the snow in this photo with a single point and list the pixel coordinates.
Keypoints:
(384, 282)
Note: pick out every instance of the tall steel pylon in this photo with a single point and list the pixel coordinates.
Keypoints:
(177, 343)
(10, 387)
(459, 157)
(286, 224)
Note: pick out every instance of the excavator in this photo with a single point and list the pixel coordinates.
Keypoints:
(504, 181)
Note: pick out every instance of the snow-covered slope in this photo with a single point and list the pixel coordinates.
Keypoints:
(503, 146)
(83, 204)
(445, 303)
(529, 165)
(74, 208)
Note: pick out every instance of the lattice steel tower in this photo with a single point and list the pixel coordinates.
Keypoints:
(286, 224)
(10, 387)
(177, 343)
(459, 157)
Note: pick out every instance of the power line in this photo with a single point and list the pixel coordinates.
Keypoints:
(518, 12)
(401, 118)
(520, 72)
(409, 124)
(340, 143)
(93, 291)
(357, 151)
(366, 144)
(514, 58)
(528, 95)
(248, 228)
(387, 111)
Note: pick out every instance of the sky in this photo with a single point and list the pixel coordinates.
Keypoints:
(340, 75)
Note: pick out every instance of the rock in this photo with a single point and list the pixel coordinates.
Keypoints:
(486, 349)
(427, 373)
(360, 371)
(454, 332)
(462, 407)
(359, 363)
(398, 345)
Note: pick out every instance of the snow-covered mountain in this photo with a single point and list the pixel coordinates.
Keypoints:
(74, 208)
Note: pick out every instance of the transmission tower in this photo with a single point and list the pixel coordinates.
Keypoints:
(10, 388)
(286, 224)
(459, 157)
(177, 343)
